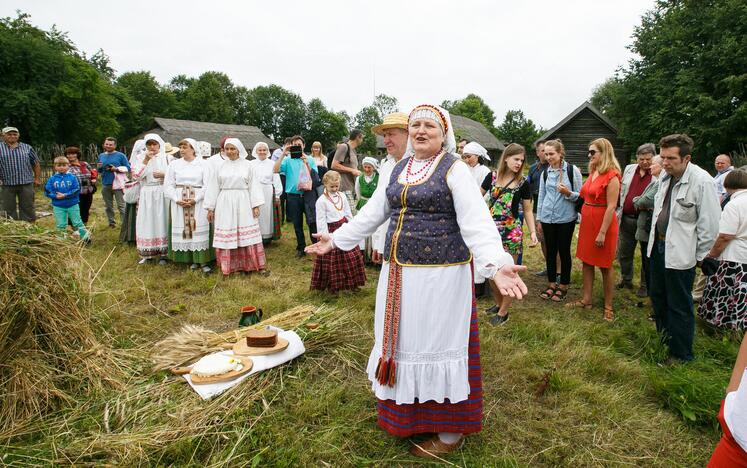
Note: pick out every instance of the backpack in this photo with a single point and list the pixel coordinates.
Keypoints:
(579, 203)
(331, 155)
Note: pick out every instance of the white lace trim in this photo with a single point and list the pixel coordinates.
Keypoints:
(189, 246)
(448, 355)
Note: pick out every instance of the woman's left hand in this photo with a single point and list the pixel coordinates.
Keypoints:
(255, 212)
(508, 281)
(533, 237)
(599, 241)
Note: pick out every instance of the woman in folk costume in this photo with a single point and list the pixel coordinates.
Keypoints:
(336, 270)
(272, 188)
(127, 230)
(425, 364)
(185, 186)
(233, 200)
(365, 185)
(151, 225)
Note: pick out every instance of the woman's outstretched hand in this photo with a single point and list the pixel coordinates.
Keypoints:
(508, 281)
(322, 246)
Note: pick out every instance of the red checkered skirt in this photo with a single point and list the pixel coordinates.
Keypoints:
(249, 258)
(338, 270)
(464, 417)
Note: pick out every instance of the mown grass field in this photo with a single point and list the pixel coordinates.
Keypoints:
(562, 388)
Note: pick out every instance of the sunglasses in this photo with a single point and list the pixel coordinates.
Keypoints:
(593, 152)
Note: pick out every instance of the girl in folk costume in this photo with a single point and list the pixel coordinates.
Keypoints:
(233, 200)
(510, 195)
(151, 225)
(185, 186)
(127, 233)
(365, 185)
(272, 188)
(336, 270)
(425, 364)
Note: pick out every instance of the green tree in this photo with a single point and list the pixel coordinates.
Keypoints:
(472, 107)
(323, 125)
(209, 98)
(150, 100)
(690, 76)
(364, 120)
(516, 128)
(276, 111)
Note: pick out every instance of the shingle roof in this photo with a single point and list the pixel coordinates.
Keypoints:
(174, 130)
(586, 105)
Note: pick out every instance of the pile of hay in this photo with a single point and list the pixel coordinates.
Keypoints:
(49, 352)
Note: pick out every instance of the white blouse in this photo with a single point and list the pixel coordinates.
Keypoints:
(180, 172)
(265, 174)
(327, 212)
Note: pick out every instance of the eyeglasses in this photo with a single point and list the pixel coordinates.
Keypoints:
(593, 152)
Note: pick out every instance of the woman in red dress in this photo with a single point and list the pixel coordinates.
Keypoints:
(597, 237)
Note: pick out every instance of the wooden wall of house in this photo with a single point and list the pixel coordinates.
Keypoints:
(582, 130)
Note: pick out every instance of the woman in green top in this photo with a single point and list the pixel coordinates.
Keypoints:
(365, 185)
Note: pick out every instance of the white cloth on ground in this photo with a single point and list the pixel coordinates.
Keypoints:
(295, 348)
(436, 302)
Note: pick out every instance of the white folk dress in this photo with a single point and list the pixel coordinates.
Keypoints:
(181, 175)
(233, 192)
(272, 188)
(436, 302)
(151, 225)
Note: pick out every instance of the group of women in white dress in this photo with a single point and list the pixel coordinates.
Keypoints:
(197, 209)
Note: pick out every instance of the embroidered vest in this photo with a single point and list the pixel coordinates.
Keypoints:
(423, 227)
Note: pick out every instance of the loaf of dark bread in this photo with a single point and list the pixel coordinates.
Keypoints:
(261, 338)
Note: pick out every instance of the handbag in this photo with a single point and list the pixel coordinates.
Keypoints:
(709, 266)
(304, 183)
(131, 191)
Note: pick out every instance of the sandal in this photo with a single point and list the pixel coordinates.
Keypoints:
(608, 314)
(559, 294)
(579, 304)
(548, 293)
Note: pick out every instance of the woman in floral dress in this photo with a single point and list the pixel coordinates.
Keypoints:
(510, 195)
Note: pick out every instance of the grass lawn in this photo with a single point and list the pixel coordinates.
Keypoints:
(562, 388)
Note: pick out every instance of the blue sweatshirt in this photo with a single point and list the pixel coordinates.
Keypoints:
(116, 159)
(68, 185)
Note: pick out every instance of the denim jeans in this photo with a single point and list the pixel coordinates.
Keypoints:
(671, 296)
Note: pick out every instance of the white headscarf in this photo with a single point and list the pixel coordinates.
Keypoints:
(137, 149)
(256, 147)
(372, 161)
(156, 137)
(439, 115)
(204, 149)
(477, 149)
(193, 143)
(238, 144)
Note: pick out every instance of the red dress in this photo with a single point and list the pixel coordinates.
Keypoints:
(594, 194)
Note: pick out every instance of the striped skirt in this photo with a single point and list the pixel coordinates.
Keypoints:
(464, 417)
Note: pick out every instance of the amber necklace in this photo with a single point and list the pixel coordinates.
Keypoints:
(334, 203)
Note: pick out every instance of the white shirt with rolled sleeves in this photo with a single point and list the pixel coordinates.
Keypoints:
(693, 218)
(378, 238)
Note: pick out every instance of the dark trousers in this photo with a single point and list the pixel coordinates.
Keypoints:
(626, 245)
(558, 238)
(18, 202)
(671, 296)
(283, 201)
(298, 206)
(85, 206)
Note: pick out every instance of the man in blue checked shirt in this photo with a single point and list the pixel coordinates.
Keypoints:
(20, 172)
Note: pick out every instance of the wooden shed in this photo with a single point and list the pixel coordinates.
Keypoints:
(470, 129)
(174, 130)
(579, 128)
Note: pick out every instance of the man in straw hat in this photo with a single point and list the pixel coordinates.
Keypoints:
(20, 171)
(394, 131)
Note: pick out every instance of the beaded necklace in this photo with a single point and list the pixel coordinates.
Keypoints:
(334, 203)
(427, 163)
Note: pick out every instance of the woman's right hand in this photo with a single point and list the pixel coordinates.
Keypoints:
(322, 246)
(563, 190)
(211, 216)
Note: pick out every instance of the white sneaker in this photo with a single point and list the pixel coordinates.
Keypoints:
(194, 266)
(143, 261)
(206, 269)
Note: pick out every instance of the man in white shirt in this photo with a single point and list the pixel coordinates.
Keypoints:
(684, 227)
(394, 131)
(723, 167)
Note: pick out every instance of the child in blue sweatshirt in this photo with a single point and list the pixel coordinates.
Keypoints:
(64, 190)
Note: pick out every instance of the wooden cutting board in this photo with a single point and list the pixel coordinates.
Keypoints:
(247, 363)
(242, 349)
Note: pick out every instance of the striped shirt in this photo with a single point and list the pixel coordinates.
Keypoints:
(17, 164)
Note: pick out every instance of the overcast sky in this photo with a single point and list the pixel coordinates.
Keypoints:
(543, 57)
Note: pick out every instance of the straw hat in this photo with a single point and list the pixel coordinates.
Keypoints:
(171, 149)
(393, 120)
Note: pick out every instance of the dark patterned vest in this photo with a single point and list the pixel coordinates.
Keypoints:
(423, 227)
